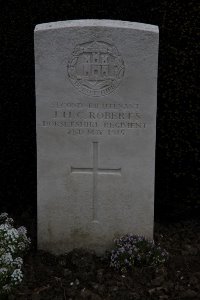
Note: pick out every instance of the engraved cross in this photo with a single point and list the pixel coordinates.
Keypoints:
(95, 171)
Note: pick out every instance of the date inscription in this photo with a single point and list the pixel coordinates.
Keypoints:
(95, 119)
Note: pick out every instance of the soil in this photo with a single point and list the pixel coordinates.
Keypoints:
(83, 275)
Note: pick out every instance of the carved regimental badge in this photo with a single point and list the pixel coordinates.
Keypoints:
(96, 68)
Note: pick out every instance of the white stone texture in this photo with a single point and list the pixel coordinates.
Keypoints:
(96, 90)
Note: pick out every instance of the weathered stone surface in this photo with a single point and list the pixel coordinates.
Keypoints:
(96, 86)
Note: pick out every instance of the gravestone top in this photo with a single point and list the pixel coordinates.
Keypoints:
(93, 22)
(96, 93)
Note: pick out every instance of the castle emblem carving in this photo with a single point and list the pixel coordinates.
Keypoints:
(96, 68)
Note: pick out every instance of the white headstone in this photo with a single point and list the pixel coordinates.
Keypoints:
(96, 89)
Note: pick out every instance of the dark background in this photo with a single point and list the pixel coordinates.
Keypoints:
(177, 152)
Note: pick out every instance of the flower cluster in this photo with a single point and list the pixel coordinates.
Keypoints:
(13, 243)
(133, 250)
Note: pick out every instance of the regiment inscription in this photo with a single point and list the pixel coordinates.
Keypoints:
(90, 119)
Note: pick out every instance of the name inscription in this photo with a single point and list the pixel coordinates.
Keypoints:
(95, 118)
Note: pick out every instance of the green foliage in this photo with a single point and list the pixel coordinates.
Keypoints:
(13, 244)
(135, 251)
